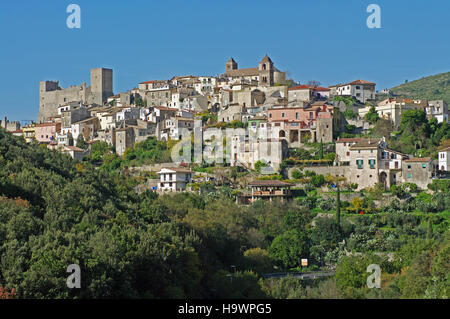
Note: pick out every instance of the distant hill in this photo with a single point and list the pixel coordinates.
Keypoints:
(435, 87)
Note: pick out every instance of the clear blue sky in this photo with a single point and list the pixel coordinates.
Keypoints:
(324, 40)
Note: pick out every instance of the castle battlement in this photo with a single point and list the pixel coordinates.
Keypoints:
(52, 96)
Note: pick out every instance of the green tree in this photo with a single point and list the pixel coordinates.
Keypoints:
(81, 143)
(372, 116)
(289, 248)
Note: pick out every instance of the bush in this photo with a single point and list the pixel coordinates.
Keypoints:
(442, 185)
(318, 180)
(258, 260)
(310, 173)
(297, 174)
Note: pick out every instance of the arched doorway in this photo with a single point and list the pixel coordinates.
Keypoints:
(383, 179)
(282, 134)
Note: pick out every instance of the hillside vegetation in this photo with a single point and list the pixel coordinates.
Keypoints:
(55, 212)
(435, 87)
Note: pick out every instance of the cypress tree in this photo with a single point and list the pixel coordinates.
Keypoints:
(338, 203)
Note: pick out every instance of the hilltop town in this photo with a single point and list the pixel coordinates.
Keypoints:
(242, 185)
(324, 130)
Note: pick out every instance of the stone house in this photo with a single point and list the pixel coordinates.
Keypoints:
(372, 162)
(418, 170)
(246, 151)
(124, 139)
(88, 128)
(301, 93)
(343, 149)
(232, 112)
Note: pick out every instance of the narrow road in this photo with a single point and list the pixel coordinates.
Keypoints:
(309, 275)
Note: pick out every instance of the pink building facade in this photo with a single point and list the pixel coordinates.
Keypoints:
(46, 132)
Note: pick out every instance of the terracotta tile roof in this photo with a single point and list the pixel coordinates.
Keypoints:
(163, 108)
(360, 82)
(300, 87)
(367, 143)
(446, 149)
(418, 160)
(243, 72)
(269, 183)
(319, 88)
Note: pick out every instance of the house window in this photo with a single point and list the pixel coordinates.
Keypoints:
(424, 165)
(409, 166)
(372, 163)
(359, 163)
(348, 153)
(409, 175)
(282, 114)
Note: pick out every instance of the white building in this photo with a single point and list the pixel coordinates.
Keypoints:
(174, 179)
(437, 110)
(444, 159)
(174, 127)
(359, 89)
(205, 84)
(107, 120)
(74, 152)
(392, 109)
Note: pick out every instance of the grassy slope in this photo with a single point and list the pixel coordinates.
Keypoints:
(435, 87)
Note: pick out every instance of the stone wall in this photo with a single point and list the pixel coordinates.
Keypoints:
(341, 171)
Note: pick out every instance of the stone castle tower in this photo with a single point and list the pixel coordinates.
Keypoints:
(101, 85)
(51, 95)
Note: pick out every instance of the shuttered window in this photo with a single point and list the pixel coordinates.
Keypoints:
(359, 163)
